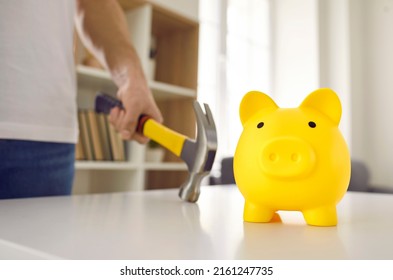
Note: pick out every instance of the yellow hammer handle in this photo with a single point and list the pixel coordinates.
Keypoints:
(166, 137)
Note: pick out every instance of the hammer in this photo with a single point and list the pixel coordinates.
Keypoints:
(198, 154)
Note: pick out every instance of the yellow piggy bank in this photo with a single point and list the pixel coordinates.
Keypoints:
(292, 158)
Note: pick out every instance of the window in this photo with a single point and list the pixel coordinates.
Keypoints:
(234, 58)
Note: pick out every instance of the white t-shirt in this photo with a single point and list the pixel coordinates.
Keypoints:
(37, 71)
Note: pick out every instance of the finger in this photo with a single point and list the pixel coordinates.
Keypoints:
(125, 135)
(114, 115)
(154, 112)
(128, 122)
(115, 118)
(140, 138)
(127, 127)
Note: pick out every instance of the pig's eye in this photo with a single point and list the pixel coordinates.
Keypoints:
(312, 124)
(260, 125)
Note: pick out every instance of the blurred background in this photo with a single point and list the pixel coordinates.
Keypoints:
(287, 49)
(218, 50)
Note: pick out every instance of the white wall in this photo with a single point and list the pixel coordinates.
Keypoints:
(372, 21)
(311, 50)
(346, 45)
(357, 59)
(358, 81)
(334, 56)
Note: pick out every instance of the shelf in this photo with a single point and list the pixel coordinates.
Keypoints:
(104, 165)
(96, 79)
(110, 165)
(101, 80)
(94, 73)
(167, 91)
(165, 166)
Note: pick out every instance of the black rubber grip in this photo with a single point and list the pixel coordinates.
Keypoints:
(104, 103)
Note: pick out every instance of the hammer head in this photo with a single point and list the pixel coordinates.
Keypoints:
(199, 154)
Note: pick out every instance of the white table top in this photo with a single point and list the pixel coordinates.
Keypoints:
(158, 225)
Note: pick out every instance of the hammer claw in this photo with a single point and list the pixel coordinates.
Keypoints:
(209, 116)
(200, 115)
(206, 118)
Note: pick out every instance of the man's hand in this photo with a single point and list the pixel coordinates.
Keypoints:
(137, 99)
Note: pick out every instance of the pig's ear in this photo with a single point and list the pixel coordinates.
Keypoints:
(253, 102)
(325, 101)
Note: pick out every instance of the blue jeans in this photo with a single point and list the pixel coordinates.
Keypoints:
(32, 168)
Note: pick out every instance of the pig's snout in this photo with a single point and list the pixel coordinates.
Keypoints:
(287, 157)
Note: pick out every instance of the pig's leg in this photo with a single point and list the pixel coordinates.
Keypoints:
(323, 216)
(255, 213)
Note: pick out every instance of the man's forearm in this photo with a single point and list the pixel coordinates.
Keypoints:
(103, 30)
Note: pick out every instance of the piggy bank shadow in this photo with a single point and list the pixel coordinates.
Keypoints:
(281, 240)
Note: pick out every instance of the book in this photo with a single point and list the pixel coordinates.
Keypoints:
(121, 144)
(116, 143)
(85, 135)
(79, 152)
(95, 135)
(104, 136)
